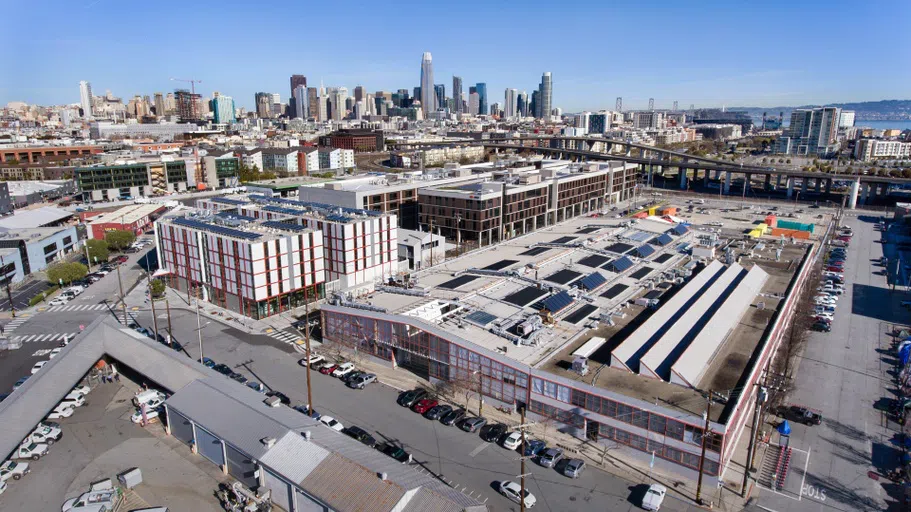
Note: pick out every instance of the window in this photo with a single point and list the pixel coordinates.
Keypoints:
(656, 423)
(50, 248)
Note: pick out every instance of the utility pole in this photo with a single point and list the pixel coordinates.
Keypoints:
(167, 304)
(123, 301)
(307, 341)
(522, 458)
(152, 301)
(760, 398)
(9, 295)
(431, 242)
(705, 435)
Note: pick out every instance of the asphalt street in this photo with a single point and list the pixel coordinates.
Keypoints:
(842, 374)
(22, 295)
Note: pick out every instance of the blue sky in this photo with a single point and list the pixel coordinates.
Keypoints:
(705, 53)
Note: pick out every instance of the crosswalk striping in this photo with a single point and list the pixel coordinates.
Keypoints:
(38, 338)
(285, 336)
(79, 307)
(16, 322)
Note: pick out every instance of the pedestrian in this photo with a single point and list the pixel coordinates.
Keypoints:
(117, 377)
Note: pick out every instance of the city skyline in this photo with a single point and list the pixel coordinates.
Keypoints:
(728, 64)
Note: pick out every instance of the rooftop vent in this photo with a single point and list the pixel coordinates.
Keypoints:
(272, 401)
(268, 442)
(307, 435)
(383, 476)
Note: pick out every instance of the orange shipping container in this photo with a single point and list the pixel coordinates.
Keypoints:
(770, 220)
(640, 215)
(670, 210)
(791, 233)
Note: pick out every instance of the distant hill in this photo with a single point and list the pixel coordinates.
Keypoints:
(884, 110)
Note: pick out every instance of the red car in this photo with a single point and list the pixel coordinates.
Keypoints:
(425, 405)
(120, 259)
(834, 269)
(326, 370)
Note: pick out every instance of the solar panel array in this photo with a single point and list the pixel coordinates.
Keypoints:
(315, 206)
(580, 314)
(563, 276)
(214, 228)
(234, 216)
(681, 229)
(459, 281)
(664, 239)
(287, 211)
(481, 318)
(534, 251)
(558, 302)
(227, 200)
(288, 226)
(592, 281)
(594, 261)
(645, 251)
(621, 264)
(564, 240)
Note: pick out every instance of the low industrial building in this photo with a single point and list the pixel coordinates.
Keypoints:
(43, 217)
(271, 449)
(21, 153)
(135, 218)
(420, 249)
(31, 250)
(357, 140)
(25, 193)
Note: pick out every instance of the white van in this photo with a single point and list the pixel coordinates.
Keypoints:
(151, 398)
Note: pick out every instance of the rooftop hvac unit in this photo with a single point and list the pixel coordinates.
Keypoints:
(580, 365)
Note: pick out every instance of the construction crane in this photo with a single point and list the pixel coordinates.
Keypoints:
(193, 82)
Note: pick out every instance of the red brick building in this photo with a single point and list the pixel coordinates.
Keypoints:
(34, 154)
(360, 141)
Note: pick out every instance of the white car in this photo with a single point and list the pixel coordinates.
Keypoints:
(46, 434)
(58, 301)
(654, 497)
(93, 501)
(75, 289)
(38, 366)
(343, 369)
(13, 469)
(332, 423)
(30, 450)
(512, 441)
(82, 389)
(61, 412)
(150, 414)
(54, 352)
(314, 360)
(74, 399)
(513, 490)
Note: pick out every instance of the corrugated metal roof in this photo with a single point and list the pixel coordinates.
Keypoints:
(294, 457)
(345, 485)
(426, 500)
(35, 218)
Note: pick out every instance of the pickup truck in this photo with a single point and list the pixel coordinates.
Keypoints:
(104, 500)
(13, 469)
(804, 415)
(30, 450)
(45, 434)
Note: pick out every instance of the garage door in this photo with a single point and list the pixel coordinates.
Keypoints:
(280, 490)
(241, 467)
(306, 504)
(209, 446)
(180, 426)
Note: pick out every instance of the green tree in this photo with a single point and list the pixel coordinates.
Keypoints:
(788, 160)
(97, 250)
(157, 288)
(66, 272)
(119, 239)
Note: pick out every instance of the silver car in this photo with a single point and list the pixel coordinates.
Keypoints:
(361, 381)
(574, 468)
(550, 457)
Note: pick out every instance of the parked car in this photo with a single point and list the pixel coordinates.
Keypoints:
(493, 433)
(208, 363)
(654, 497)
(513, 491)
(512, 441)
(395, 452)
(13, 469)
(424, 405)
(58, 301)
(472, 425)
(573, 468)
(222, 369)
(822, 326)
(343, 369)
(60, 412)
(93, 501)
(361, 435)
(351, 376)
(121, 259)
(409, 398)
(437, 412)
(20, 382)
(45, 434)
(30, 450)
(452, 417)
(549, 457)
(804, 415)
(314, 360)
(332, 423)
(38, 366)
(328, 368)
(237, 377)
(534, 447)
(361, 381)
(150, 414)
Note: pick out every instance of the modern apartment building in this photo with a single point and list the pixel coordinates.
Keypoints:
(280, 159)
(872, 149)
(112, 182)
(357, 140)
(520, 200)
(251, 268)
(812, 131)
(220, 169)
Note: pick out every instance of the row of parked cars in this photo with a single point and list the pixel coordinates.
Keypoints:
(345, 370)
(832, 285)
(77, 287)
(46, 433)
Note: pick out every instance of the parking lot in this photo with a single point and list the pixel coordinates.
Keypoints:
(99, 441)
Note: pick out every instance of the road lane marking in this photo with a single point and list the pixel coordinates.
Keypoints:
(479, 449)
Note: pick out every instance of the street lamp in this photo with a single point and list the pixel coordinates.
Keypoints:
(480, 394)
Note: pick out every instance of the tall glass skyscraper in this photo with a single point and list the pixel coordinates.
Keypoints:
(481, 87)
(223, 109)
(545, 96)
(439, 91)
(428, 96)
(457, 93)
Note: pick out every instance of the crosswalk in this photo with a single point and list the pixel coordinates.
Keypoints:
(79, 307)
(285, 336)
(37, 338)
(16, 322)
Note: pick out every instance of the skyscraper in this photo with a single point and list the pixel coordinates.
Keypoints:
(159, 104)
(85, 99)
(439, 95)
(359, 93)
(545, 96)
(263, 104)
(510, 108)
(187, 105)
(473, 101)
(428, 98)
(296, 81)
(457, 93)
(522, 104)
(222, 109)
(300, 102)
(481, 87)
(533, 106)
(312, 102)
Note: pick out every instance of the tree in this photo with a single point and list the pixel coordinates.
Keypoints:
(119, 239)
(157, 288)
(788, 160)
(66, 272)
(97, 250)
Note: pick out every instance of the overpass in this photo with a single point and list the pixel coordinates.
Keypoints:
(864, 188)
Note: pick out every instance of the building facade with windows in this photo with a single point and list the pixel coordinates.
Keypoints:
(111, 182)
